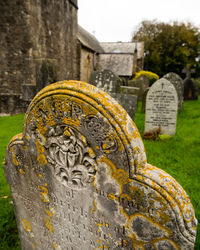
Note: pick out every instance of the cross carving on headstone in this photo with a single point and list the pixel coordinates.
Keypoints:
(188, 71)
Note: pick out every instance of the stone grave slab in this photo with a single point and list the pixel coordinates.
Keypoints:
(142, 83)
(161, 108)
(127, 101)
(190, 87)
(177, 81)
(80, 180)
(129, 90)
(144, 100)
(106, 80)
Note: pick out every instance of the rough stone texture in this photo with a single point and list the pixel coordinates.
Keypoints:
(106, 80)
(79, 178)
(177, 81)
(144, 100)
(127, 101)
(161, 108)
(142, 83)
(129, 90)
(190, 87)
(122, 58)
(38, 46)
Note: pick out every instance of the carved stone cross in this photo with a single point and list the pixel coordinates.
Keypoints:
(188, 71)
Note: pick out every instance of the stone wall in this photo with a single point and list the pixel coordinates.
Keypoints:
(38, 47)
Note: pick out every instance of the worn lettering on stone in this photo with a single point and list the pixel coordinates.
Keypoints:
(161, 108)
(80, 180)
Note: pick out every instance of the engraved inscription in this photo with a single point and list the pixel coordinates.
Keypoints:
(99, 131)
(161, 108)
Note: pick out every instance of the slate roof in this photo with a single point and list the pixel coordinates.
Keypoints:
(88, 40)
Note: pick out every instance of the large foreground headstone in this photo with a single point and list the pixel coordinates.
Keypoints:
(79, 178)
(161, 108)
(177, 81)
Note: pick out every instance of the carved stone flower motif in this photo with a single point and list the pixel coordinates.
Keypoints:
(68, 152)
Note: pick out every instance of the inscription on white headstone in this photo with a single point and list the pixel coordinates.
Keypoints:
(161, 108)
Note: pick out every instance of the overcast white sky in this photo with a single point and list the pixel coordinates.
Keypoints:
(115, 20)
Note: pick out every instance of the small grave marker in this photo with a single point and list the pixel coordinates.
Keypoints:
(190, 87)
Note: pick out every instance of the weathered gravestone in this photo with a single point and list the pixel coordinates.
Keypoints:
(129, 90)
(127, 101)
(177, 81)
(106, 80)
(109, 82)
(79, 178)
(161, 108)
(144, 99)
(142, 82)
(190, 87)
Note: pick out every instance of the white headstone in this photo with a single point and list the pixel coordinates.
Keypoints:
(161, 108)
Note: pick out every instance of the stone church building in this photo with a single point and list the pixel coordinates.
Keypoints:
(41, 43)
(37, 48)
(89, 50)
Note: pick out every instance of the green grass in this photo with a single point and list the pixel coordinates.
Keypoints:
(179, 156)
(9, 126)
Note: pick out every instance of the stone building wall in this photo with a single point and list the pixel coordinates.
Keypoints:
(38, 47)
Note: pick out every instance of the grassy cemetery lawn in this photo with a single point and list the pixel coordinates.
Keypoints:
(179, 156)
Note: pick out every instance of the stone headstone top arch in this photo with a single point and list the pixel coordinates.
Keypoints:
(80, 180)
(106, 80)
(161, 108)
(177, 81)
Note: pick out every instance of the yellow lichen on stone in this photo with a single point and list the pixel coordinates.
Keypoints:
(14, 159)
(99, 102)
(93, 210)
(50, 120)
(21, 171)
(48, 225)
(17, 137)
(44, 193)
(64, 102)
(120, 175)
(51, 212)
(55, 246)
(42, 160)
(26, 225)
(40, 148)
